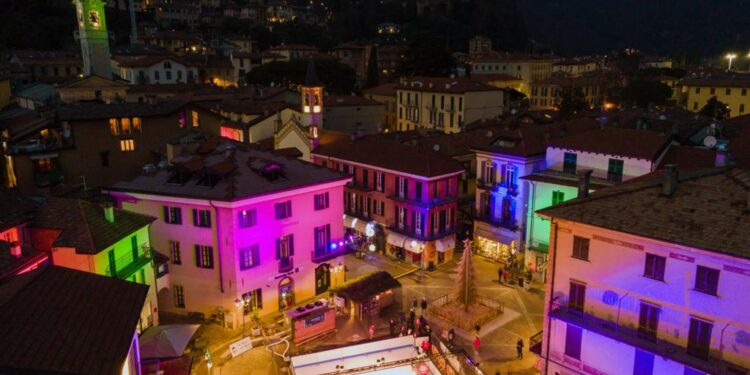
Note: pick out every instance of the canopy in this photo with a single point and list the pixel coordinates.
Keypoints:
(166, 341)
(396, 239)
(445, 244)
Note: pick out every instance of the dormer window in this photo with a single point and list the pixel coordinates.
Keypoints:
(167, 65)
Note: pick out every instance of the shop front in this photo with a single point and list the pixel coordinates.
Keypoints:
(366, 296)
(495, 246)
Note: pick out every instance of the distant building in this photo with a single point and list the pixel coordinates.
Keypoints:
(48, 66)
(577, 66)
(656, 62)
(650, 277)
(352, 114)
(93, 88)
(36, 341)
(479, 45)
(528, 68)
(547, 93)
(386, 94)
(240, 223)
(402, 199)
(102, 240)
(732, 90)
(446, 104)
(294, 51)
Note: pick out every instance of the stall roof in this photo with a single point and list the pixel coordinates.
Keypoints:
(368, 286)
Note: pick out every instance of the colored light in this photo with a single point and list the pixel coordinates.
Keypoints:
(371, 247)
(333, 246)
(341, 243)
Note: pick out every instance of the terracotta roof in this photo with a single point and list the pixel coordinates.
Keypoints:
(562, 80)
(284, 47)
(390, 154)
(14, 210)
(10, 264)
(245, 179)
(639, 144)
(63, 321)
(83, 226)
(94, 111)
(556, 177)
(146, 61)
(485, 78)
(736, 80)
(347, 101)
(708, 210)
(510, 57)
(530, 140)
(441, 84)
(689, 157)
(369, 286)
(32, 57)
(386, 89)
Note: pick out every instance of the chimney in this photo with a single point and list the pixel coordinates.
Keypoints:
(669, 184)
(721, 157)
(15, 249)
(109, 212)
(584, 178)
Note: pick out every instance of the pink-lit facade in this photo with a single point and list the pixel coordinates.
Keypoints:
(19, 261)
(274, 250)
(633, 305)
(408, 216)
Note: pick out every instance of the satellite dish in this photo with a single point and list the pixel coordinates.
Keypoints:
(709, 141)
(436, 147)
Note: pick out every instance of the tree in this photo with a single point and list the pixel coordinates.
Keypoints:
(373, 71)
(715, 109)
(571, 101)
(338, 78)
(628, 61)
(426, 55)
(466, 288)
(642, 92)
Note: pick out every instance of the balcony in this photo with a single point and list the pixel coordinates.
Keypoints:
(126, 266)
(633, 337)
(286, 264)
(323, 255)
(358, 215)
(502, 188)
(498, 222)
(409, 232)
(359, 188)
(538, 246)
(424, 203)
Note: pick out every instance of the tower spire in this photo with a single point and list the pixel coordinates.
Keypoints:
(94, 37)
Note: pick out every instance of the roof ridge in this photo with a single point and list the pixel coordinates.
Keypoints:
(85, 220)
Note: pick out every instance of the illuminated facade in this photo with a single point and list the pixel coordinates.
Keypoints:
(312, 98)
(242, 224)
(695, 92)
(650, 278)
(402, 200)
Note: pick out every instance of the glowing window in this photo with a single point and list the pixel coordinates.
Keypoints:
(127, 145)
(114, 127)
(137, 124)
(125, 125)
(196, 120)
(94, 19)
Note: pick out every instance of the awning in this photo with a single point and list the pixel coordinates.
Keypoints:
(445, 244)
(396, 239)
(414, 246)
(355, 223)
(166, 341)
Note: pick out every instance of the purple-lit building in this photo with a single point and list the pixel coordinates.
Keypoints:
(240, 224)
(649, 277)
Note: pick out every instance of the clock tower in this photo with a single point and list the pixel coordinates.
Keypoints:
(312, 103)
(92, 31)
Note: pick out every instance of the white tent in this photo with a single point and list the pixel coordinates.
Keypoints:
(167, 341)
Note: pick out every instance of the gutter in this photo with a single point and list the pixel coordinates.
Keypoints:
(217, 241)
(552, 293)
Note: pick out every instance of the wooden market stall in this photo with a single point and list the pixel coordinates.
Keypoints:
(312, 320)
(366, 296)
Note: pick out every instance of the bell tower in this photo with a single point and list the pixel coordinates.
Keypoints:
(312, 100)
(92, 31)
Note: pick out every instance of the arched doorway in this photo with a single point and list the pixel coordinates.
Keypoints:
(322, 278)
(286, 293)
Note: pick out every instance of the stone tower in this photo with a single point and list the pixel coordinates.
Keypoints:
(312, 102)
(92, 31)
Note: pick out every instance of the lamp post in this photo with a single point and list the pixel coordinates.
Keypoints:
(241, 304)
(730, 57)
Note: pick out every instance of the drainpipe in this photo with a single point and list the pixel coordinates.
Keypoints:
(619, 305)
(721, 340)
(553, 227)
(217, 240)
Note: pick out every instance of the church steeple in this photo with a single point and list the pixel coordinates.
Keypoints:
(92, 31)
(312, 99)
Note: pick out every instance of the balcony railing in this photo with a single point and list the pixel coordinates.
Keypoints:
(358, 215)
(359, 187)
(498, 222)
(535, 343)
(126, 266)
(412, 233)
(286, 264)
(425, 203)
(633, 337)
(322, 255)
(501, 188)
(536, 245)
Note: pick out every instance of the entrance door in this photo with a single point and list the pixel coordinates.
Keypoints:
(322, 278)
(286, 293)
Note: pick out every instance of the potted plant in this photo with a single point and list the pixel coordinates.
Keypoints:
(256, 323)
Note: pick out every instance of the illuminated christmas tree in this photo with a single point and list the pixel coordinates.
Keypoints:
(466, 289)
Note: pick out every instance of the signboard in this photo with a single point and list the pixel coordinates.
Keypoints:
(241, 346)
(315, 320)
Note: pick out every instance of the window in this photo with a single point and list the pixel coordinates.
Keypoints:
(569, 162)
(695, 106)
(255, 300)
(581, 248)
(202, 218)
(697, 90)
(172, 215)
(283, 210)
(573, 341)
(712, 91)
(179, 296)
(168, 74)
(728, 92)
(127, 145)
(104, 156)
(644, 363)
(655, 267)
(196, 119)
(167, 65)
(743, 92)
(742, 108)
(249, 257)
(204, 256)
(94, 19)
(125, 125)
(699, 338)
(285, 247)
(114, 126)
(137, 125)
(707, 280)
(402, 185)
(379, 185)
(174, 252)
(321, 201)
(648, 321)
(246, 218)
(557, 197)
(577, 297)
(322, 237)
(614, 172)
(379, 208)
(156, 75)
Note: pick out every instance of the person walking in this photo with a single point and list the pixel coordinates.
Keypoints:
(372, 331)
(424, 305)
(392, 327)
(500, 275)
(451, 337)
(414, 303)
(505, 276)
(519, 348)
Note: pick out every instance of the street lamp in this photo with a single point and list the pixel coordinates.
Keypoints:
(241, 304)
(730, 57)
